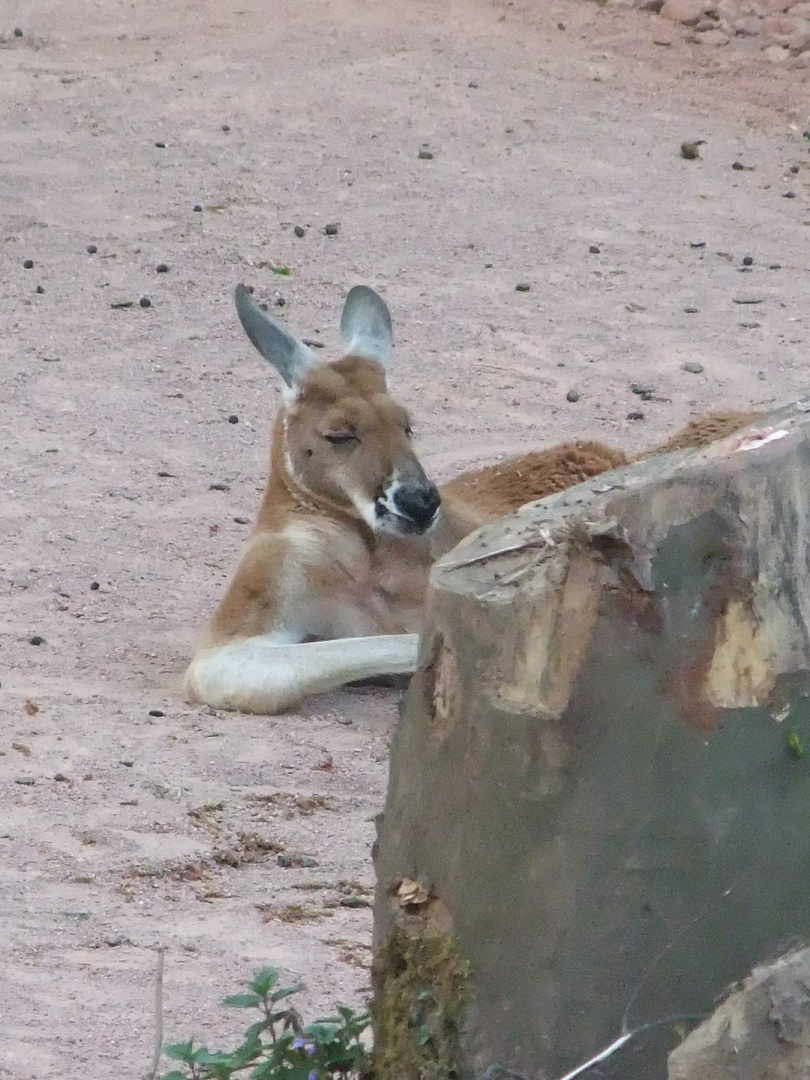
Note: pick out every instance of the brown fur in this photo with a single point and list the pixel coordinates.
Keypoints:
(703, 431)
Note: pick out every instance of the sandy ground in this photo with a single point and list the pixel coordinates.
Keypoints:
(553, 127)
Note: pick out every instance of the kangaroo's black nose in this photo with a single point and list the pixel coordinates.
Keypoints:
(418, 502)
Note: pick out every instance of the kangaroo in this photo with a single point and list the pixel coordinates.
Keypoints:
(332, 586)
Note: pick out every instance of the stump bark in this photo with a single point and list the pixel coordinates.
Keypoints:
(598, 813)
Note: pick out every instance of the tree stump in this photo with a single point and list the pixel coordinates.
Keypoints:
(598, 812)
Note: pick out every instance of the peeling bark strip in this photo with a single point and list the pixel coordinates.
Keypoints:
(600, 738)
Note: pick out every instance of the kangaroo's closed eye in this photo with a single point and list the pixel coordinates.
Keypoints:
(339, 438)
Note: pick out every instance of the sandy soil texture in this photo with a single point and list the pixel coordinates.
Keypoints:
(134, 438)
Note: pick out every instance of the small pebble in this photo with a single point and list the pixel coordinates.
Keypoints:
(473, 85)
(691, 310)
(197, 208)
(263, 307)
(748, 261)
(156, 712)
(242, 520)
(249, 289)
(737, 166)
(698, 244)
(91, 249)
(794, 169)
(788, 194)
(160, 145)
(594, 249)
(775, 266)
(279, 301)
(332, 229)
(127, 764)
(226, 127)
(689, 150)
(28, 264)
(26, 781)
(750, 325)
(61, 778)
(219, 486)
(233, 419)
(522, 286)
(145, 301)
(572, 395)
(692, 367)
(17, 32)
(36, 640)
(94, 586)
(426, 155)
(161, 268)
(747, 298)
(299, 231)
(635, 415)
(40, 290)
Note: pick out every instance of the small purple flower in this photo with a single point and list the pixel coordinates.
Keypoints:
(313, 1075)
(299, 1044)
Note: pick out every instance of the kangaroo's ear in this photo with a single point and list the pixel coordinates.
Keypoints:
(290, 357)
(365, 325)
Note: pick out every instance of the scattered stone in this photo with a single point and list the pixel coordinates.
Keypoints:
(121, 304)
(128, 763)
(644, 392)
(280, 301)
(26, 781)
(156, 712)
(242, 520)
(522, 286)
(36, 640)
(594, 249)
(635, 415)
(161, 268)
(473, 85)
(697, 244)
(197, 208)
(425, 155)
(737, 166)
(693, 367)
(94, 586)
(160, 145)
(233, 419)
(226, 127)
(299, 231)
(794, 169)
(145, 301)
(332, 229)
(40, 290)
(777, 54)
(750, 325)
(687, 12)
(775, 266)
(788, 194)
(689, 150)
(714, 38)
(747, 298)
(61, 778)
(747, 261)
(28, 264)
(219, 486)
(91, 249)
(17, 32)
(572, 395)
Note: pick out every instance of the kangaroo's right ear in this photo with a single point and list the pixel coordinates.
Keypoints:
(290, 357)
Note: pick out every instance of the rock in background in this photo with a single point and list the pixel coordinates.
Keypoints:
(598, 813)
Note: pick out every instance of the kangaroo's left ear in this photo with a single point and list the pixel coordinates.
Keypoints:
(365, 325)
(289, 356)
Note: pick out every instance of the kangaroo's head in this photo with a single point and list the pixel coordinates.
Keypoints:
(344, 442)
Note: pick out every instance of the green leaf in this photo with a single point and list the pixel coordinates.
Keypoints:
(180, 1051)
(241, 1001)
(264, 981)
(283, 270)
(795, 745)
(279, 995)
(174, 1075)
(321, 1032)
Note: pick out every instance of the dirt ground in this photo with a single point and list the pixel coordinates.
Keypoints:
(131, 820)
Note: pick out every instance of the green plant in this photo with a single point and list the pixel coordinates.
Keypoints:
(279, 1046)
